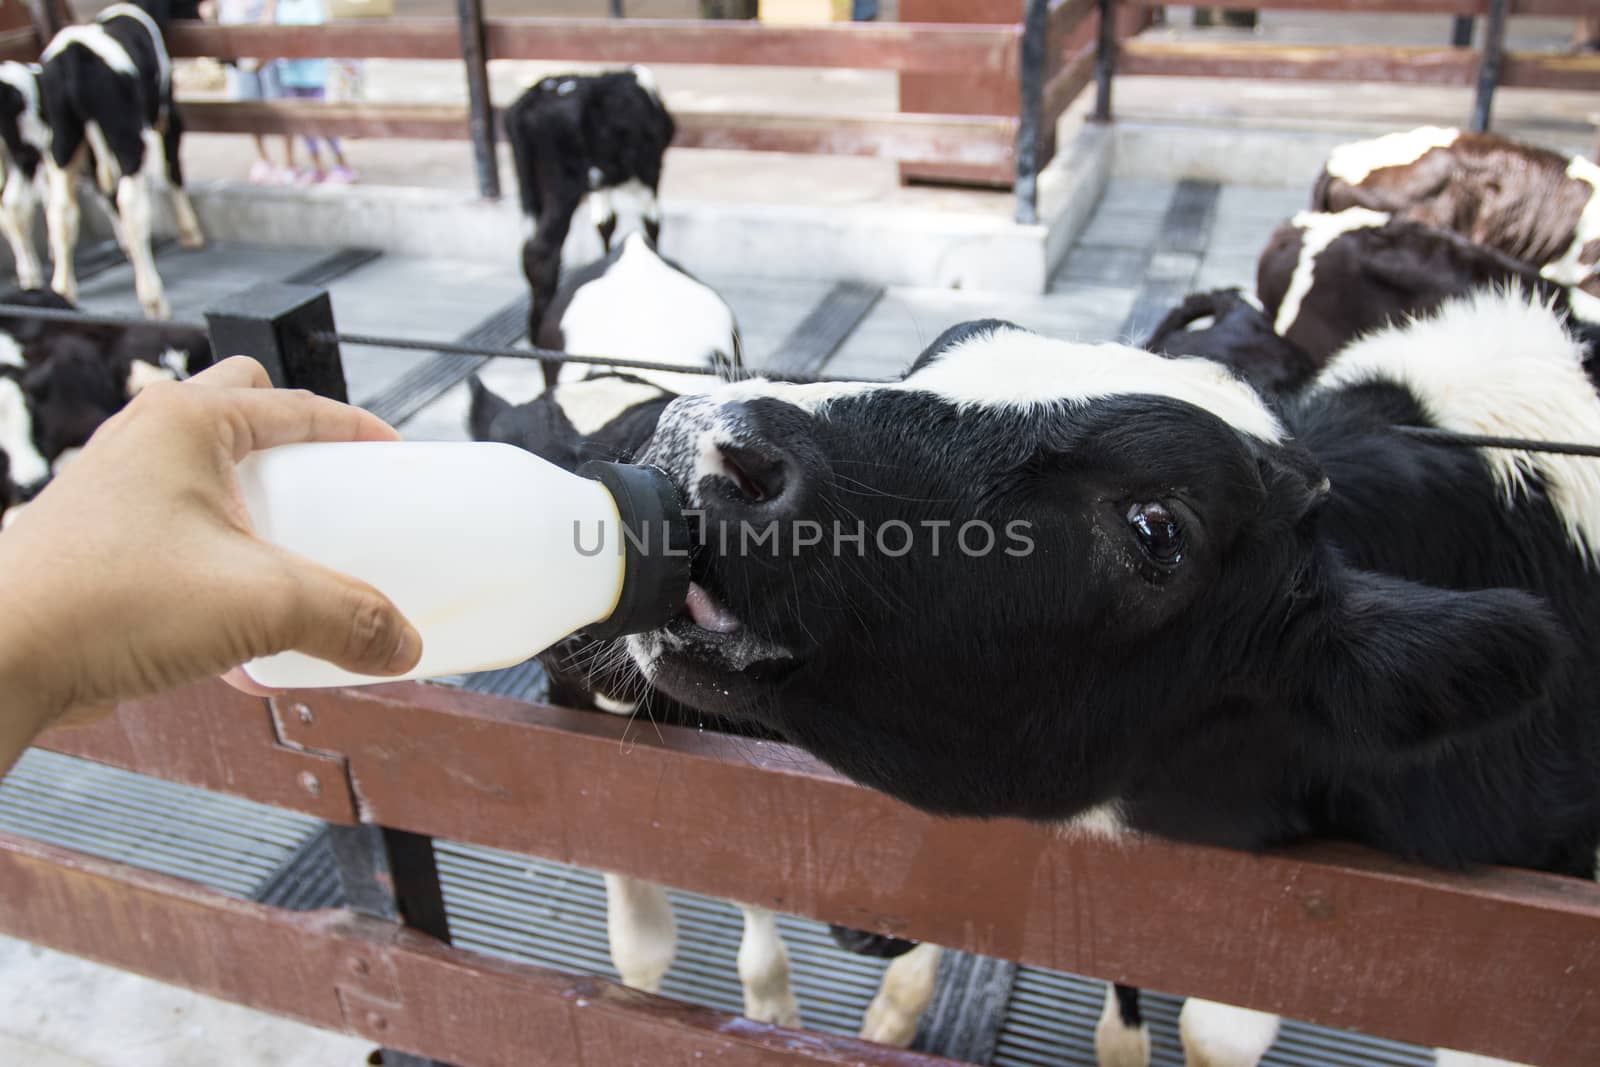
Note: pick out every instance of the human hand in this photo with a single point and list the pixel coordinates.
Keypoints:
(136, 571)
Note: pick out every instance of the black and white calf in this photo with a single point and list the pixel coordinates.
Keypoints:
(1230, 328)
(1189, 614)
(60, 380)
(575, 136)
(106, 90)
(636, 303)
(26, 141)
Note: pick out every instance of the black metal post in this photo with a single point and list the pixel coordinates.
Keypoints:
(391, 875)
(1105, 60)
(275, 324)
(474, 55)
(1030, 109)
(616, 9)
(1461, 27)
(1494, 41)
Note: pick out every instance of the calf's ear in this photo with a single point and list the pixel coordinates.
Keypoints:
(486, 407)
(1400, 667)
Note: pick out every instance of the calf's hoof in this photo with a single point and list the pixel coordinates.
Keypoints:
(193, 241)
(780, 1011)
(155, 308)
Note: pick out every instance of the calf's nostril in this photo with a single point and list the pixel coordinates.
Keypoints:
(759, 477)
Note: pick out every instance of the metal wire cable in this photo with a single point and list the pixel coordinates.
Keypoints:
(1451, 439)
(1425, 434)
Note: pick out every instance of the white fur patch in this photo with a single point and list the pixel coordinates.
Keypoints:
(1498, 364)
(16, 435)
(1583, 306)
(907, 988)
(1355, 161)
(647, 80)
(30, 124)
(1103, 822)
(98, 41)
(1318, 230)
(641, 929)
(109, 171)
(1117, 1044)
(11, 352)
(140, 15)
(763, 964)
(614, 707)
(1221, 1035)
(141, 375)
(60, 463)
(1570, 268)
(643, 309)
(1012, 368)
(594, 402)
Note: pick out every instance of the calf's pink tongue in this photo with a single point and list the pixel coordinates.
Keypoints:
(707, 613)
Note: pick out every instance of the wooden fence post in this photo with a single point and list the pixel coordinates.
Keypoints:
(1030, 108)
(1494, 43)
(474, 56)
(391, 875)
(275, 324)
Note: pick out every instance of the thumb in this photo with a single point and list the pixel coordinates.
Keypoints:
(347, 622)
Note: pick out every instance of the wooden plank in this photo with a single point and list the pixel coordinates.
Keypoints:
(953, 138)
(21, 46)
(1064, 88)
(1371, 63)
(882, 46)
(215, 737)
(1543, 70)
(1332, 934)
(378, 980)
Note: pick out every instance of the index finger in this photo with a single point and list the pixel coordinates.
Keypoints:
(235, 371)
(265, 418)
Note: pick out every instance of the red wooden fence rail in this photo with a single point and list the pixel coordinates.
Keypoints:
(1501, 962)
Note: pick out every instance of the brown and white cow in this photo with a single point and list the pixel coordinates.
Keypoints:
(1530, 203)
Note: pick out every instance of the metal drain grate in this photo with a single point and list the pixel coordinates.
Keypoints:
(555, 915)
(1052, 1016)
(431, 379)
(219, 841)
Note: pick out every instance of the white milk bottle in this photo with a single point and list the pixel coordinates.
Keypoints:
(493, 553)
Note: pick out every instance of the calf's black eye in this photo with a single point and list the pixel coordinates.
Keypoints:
(1158, 532)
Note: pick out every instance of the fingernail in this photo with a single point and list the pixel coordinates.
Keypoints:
(406, 653)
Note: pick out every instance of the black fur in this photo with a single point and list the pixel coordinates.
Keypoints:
(1368, 278)
(571, 135)
(1239, 336)
(1390, 661)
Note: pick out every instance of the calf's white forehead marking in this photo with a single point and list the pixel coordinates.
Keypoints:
(1570, 268)
(16, 435)
(1318, 230)
(1497, 364)
(1011, 368)
(1353, 162)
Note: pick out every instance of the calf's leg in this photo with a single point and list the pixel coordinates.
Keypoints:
(1122, 1038)
(907, 988)
(642, 930)
(1221, 1035)
(61, 218)
(764, 970)
(17, 201)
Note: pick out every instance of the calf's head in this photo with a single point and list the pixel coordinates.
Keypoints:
(1002, 584)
